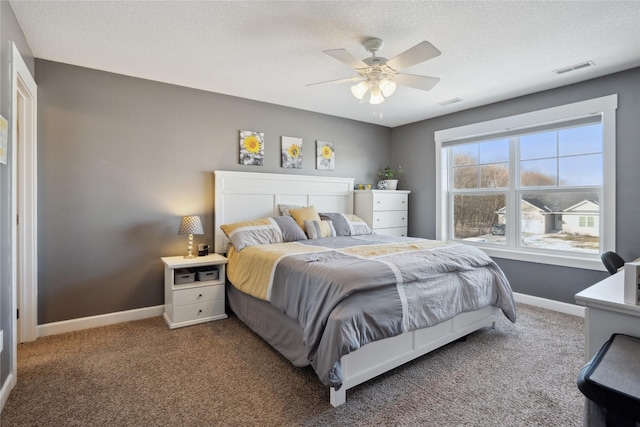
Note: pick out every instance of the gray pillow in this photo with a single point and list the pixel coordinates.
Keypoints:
(284, 209)
(347, 224)
(290, 229)
(340, 223)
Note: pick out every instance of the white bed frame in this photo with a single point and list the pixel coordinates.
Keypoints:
(241, 196)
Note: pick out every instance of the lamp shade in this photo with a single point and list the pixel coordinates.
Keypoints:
(376, 96)
(387, 87)
(360, 89)
(190, 225)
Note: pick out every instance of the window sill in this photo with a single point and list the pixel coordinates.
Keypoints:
(592, 262)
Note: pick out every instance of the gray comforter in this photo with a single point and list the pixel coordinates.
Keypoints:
(343, 299)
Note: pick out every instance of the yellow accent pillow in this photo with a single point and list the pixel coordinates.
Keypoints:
(309, 214)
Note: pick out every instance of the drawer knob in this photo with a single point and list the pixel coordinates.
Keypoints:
(200, 295)
(378, 220)
(199, 311)
(403, 218)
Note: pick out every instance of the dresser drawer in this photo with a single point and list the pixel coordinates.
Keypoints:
(391, 201)
(185, 313)
(196, 295)
(395, 231)
(389, 219)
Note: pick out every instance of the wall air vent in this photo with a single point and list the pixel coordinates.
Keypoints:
(450, 101)
(575, 67)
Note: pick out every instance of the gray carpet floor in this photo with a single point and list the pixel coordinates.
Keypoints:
(143, 374)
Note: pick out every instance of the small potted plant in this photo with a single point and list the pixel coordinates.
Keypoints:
(390, 178)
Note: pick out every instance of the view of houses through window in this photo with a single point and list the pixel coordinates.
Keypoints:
(540, 189)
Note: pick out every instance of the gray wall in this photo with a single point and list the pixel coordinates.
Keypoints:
(413, 147)
(122, 159)
(9, 32)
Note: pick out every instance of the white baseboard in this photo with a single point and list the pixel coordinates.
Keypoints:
(101, 320)
(6, 389)
(562, 307)
(144, 313)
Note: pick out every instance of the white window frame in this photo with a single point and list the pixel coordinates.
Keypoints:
(606, 107)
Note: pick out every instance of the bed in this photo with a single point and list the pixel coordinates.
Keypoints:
(350, 303)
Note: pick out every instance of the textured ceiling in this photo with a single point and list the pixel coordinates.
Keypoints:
(270, 51)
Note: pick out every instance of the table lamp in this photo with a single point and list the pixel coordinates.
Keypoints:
(190, 225)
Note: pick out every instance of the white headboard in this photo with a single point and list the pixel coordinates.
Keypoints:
(242, 196)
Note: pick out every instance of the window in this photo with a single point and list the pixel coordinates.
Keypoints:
(536, 187)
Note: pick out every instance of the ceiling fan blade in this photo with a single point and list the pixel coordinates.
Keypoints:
(344, 56)
(417, 54)
(348, 79)
(416, 82)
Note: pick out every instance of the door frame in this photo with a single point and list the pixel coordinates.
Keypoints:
(24, 235)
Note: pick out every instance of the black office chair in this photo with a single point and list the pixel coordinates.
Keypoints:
(612, 261)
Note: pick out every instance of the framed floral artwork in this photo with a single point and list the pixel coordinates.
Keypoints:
(291, 152)
(325, 156)
(251, 148)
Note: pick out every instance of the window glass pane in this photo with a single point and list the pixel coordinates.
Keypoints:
(539, 172)
(580, 140)
(581, 170)
(479, 218)
(494, 176)
(465, 154)
(538, 145)
(494, 151)
(564, 221)
(465, 177)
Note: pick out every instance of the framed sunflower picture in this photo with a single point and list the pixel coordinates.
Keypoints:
(325, 156)
(291, 152)
(251, 148)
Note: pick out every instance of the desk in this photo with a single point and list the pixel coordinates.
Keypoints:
(607, 313)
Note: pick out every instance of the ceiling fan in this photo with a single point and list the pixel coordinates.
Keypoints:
(378, 76)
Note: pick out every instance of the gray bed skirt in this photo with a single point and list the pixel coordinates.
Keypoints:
(281, 332)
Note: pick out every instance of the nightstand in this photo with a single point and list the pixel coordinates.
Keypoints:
(194, 289)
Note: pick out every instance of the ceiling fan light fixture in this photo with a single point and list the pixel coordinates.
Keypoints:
(388, 87)
(378, 77)
(376, 96)
(360, 89)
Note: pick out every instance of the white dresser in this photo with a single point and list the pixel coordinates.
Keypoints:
(386, 211)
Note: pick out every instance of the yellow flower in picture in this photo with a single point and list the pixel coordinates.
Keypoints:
(325, 156)
(327, 152)
(291, 152)
(251, 148)
(294, 151)
(252, 144)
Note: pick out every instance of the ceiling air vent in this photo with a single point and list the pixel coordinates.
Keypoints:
(450, 101)
(575, 67)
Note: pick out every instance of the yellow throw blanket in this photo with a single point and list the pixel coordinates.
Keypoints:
(251, 270)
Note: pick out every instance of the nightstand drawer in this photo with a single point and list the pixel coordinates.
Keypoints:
(197, 295)
(202, 310)
(388, 219)
(390, 202)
